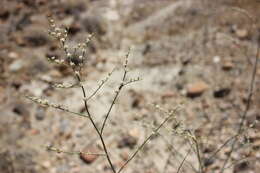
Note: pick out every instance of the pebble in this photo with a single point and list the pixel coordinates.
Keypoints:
(228, 65)
(40, 113)
(89, 158)
(242, 33)
(46, 164)
(16, 65)
(127, 141)
(13, 55)
(242, 166)
(134, 133)
(216, 59)
(196, 89)
(222, 92)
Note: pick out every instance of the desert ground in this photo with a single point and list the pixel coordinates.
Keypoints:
(196, 60)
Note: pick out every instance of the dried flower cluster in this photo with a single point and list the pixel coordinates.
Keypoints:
(74, 57)
(47, 103)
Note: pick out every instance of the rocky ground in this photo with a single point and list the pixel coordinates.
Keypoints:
(194, 55)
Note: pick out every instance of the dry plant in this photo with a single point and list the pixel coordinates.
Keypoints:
(75, 58)
(241, 126)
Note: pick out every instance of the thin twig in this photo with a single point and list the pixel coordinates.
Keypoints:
(145, 141)
(180, 166)
(117, 92)
(50, 148)
(239, 161)
(196, 150)
(100, 86)
(46, 103)
(198, 155)
(224, 144)
(176, 151)
(248, 104)
(95, 126)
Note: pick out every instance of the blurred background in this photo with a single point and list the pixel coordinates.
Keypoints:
(197, 54)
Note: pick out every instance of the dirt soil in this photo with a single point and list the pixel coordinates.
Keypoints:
(194, 55)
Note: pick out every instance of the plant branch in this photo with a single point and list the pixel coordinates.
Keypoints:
(146, 140)
(117, 93)
(248, 104)
(95, 126)
(180, 166)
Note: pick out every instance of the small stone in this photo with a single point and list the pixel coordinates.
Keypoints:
(137, 99)
(16, 65)
(242, 166)
(216, 59)
(228, 65)
(46, 164)
(127, 141)
(13, 55)
(134, 133)
(89, 158)
(242, 33)
(40, 113)
(222, 92)
(208, 162)
(196, 89)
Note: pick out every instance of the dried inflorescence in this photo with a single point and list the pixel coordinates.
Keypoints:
(74, 56)
(47, 103)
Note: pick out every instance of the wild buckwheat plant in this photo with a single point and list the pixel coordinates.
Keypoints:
(75, 58)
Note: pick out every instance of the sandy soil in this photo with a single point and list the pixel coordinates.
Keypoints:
(195, 55)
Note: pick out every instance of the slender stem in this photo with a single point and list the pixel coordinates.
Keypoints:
(50, 148)
(198, 155)
(224, 144)
(115, 97)
(95, 126)
(248, 104)
(179, 168)
(109, 110)
(100, 86)
(144, 142)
